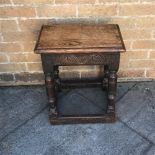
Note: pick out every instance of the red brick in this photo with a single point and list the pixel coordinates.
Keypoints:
(3, 58)
(152, 55)
(97, 10)
(33, 24)
(37, 67)
(15, 67)
(137, 9)
(8, 25)
(33, 2)
(10, 47)
(69, 75)
(17, 12)
(5, 2)
(150, 73)
(57, 11)
(91, 74)
(133, 34)
(74, 1)
(24, 57)
(144, 44)
(76, 68)
(28, 46)
(142, 63)
(20, 36)
(130, 73)
(145, 22)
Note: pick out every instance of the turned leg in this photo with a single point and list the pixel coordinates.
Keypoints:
(49, 81)
(56, 79)
(105, 78)
(112, 86)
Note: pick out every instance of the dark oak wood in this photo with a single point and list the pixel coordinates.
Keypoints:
(107, 118)
(80, 39)
(66, 45)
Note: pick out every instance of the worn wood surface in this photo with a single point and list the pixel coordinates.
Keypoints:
(79, 39)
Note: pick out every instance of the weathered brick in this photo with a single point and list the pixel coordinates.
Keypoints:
(76, 68)
(20, 36)
(124, 62)
(33, 24)
(124, 23)
(152, 54)
(17, 12)
(5, 2)
(31, 57)
(28, 46)
(74, 1)
(15, 58)
(37, 67)
(126, 57)
(137, 9)
(10, 47)
(145, 22)
(137, 28)
(57, 11)
(6, 77)
(133, 34)
(153, 34)
(69, 75)
(127, 1)
(3, 58)
(97, 10)
(75, 20)
(128, 44)
(119, 1)
(135, 54)
(30, 2)
(8, 25)
(1, 37)
(29, 77)
(16, 67)
(130, 73)
(91, 74)
(144, 44)
(150, 73)
(24, 58)
(106, 1)
(142, 63)
(147, 0)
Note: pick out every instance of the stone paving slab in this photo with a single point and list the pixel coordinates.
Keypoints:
(27, 130)
(137, 109)
(84, 101)
(76, 104)
(18, 104)
(37, 137)
(98, 97)
(123, 88)
(96, 93)
(151, 151)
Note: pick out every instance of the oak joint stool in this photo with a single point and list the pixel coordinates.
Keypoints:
(67, 45)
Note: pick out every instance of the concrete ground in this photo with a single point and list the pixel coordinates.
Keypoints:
(25, 129)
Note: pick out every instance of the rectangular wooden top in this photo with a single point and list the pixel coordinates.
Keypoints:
(79, 39)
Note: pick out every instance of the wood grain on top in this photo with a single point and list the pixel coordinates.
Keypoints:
(79, 39)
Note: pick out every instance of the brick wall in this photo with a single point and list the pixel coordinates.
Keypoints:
(20, 21)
